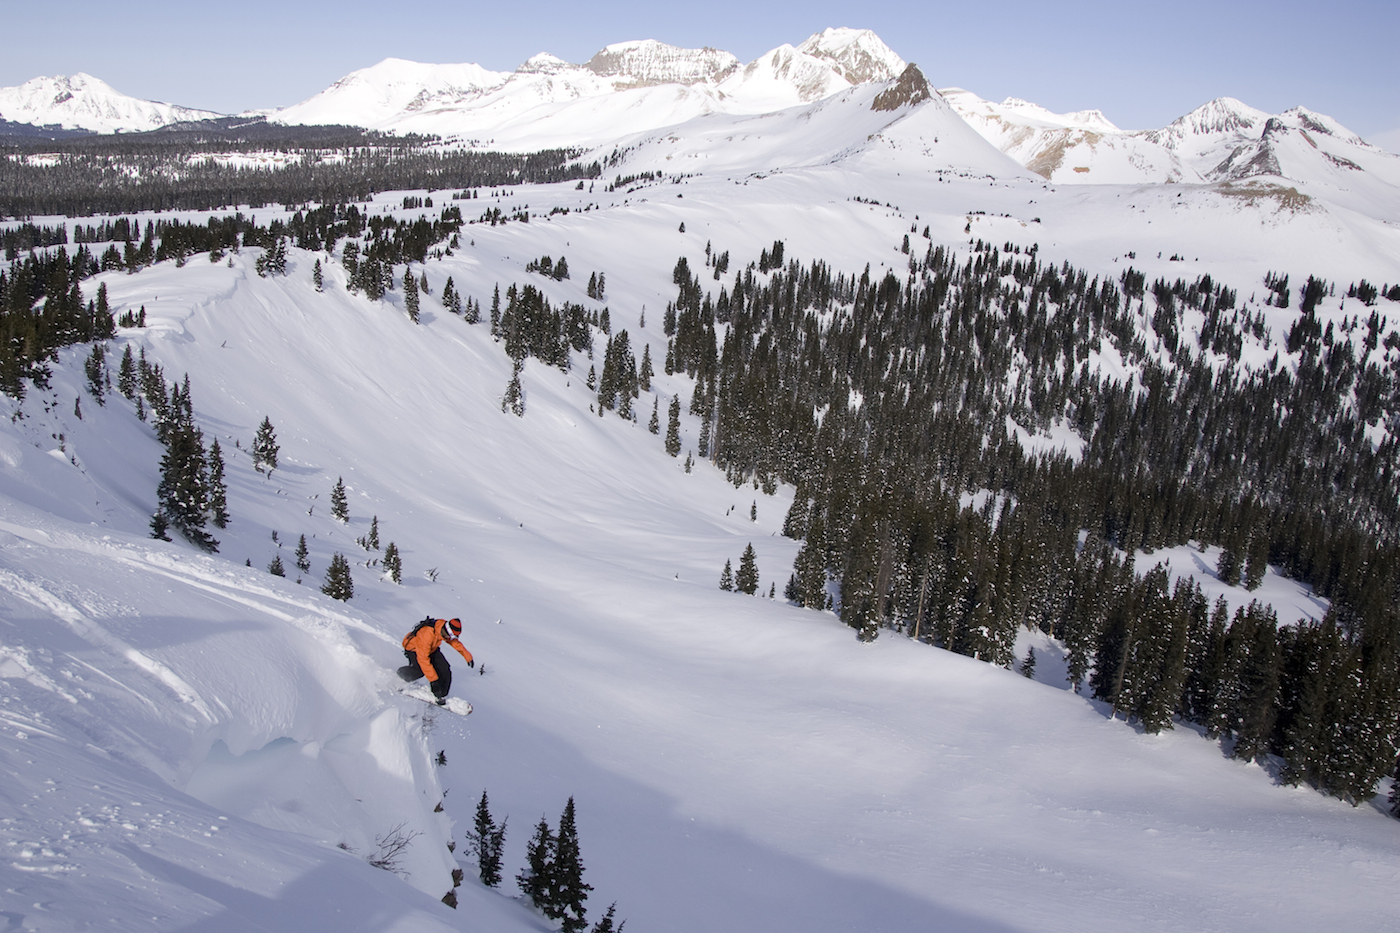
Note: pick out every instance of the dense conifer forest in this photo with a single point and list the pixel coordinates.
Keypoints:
(888, 403)
(884, 401)
(224, 164)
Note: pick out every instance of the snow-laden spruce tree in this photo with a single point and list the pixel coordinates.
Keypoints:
(339, 584)
(265, 449)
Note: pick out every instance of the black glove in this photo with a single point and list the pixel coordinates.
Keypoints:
(471, 663)
(440, 688)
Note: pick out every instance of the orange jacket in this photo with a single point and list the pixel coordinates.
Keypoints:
(427, 640)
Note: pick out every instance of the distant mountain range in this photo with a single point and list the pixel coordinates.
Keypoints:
(82, 102)
(640, 87)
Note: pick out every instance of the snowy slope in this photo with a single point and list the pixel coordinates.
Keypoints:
(738, 764)
(81, 101)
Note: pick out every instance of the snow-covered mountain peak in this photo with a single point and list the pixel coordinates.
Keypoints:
(375, 95)
(647, 62)
(80, 101)
(1222, 115)
(858, 55)
(545, 64)
(1314, 122)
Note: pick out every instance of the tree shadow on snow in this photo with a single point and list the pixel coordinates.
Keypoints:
(669, 871)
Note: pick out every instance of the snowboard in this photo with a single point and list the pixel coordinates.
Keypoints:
(454, 704)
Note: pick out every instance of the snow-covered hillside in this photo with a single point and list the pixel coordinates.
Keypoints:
(189, 738)
(81, 101)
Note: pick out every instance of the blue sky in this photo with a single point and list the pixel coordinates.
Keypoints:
(1142, 64)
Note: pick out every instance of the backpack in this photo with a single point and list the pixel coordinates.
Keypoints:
(429, 622)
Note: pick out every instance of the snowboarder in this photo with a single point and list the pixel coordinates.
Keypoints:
(423, 648)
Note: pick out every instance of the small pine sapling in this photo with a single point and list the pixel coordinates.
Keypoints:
(275, 568)
(393, 563)
(1028, 664)
(605, 924)
(303, 556)
(340, 506)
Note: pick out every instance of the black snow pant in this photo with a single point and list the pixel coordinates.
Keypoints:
(413, 670)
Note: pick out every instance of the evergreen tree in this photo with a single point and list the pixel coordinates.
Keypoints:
(654, 425)
(372, 539)
(410, 294)
(1227, 568)
(303, 556)
(746, 580)
(218, 489)
(569, 891)
(95, 368)
(536, 879)
(340, 506)
(514, 399)
(673, 427)
(316, 276)
(1028, 664)
(486, 840)
(644, 376)
(183, 491)
(275, 568)
(726, 577)
(126, 375)
(103, 326)
(605, 925)
(393, 564)
(795, 522)
(265, 448)
(339, 584)
(1256, 562)
(160, 526)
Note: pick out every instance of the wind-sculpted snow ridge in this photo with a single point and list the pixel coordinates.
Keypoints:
(81, 101)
